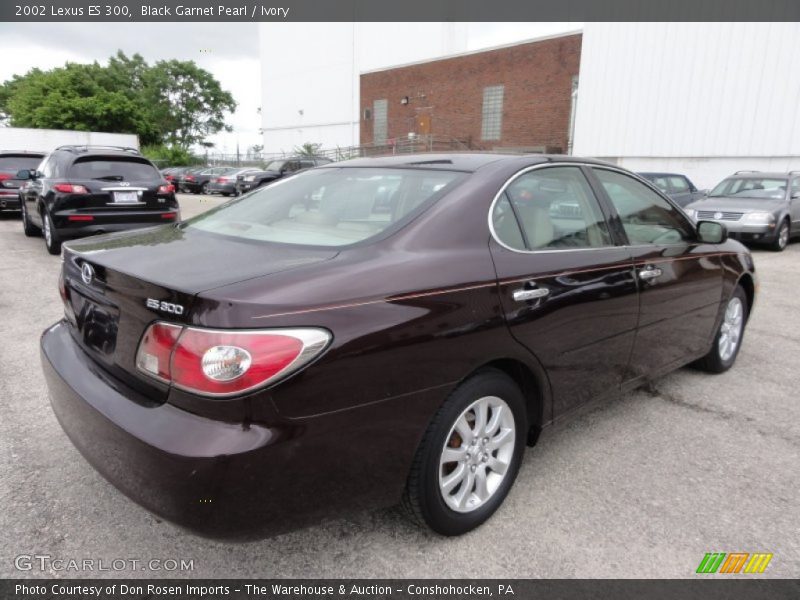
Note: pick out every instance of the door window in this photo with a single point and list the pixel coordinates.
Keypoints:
(679, 185)
(646, 217)
(550, 208)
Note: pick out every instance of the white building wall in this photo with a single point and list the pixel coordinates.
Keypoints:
(705, 99)
(310, 74)
(46, 140)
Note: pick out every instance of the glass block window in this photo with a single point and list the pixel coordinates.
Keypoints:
(492, 112)
(380, 124)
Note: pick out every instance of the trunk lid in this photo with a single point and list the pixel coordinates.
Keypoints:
(146, 275)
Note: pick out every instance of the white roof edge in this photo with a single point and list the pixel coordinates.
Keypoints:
(542, 38)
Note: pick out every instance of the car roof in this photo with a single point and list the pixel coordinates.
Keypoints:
(22, 153)
(761, 175)
(659, 174)
(456, 161)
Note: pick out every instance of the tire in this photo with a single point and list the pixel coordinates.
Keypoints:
(29, 228)
(51, 239)
(226, 194)
(731, 330)
(204, 189)
(435, 492)
(782, 237)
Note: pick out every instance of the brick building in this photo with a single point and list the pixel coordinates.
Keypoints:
(513, 97)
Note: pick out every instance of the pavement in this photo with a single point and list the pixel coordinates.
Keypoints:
(642, 485)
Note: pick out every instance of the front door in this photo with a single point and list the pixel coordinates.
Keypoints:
(680, 279)
(567, 291)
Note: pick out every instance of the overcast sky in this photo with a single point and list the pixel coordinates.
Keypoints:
(228, 50)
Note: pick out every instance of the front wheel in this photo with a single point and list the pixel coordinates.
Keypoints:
(469, 456)
(51, 238)
(782, 237)
(728, 340)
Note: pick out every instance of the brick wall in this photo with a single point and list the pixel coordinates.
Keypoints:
(537, 97)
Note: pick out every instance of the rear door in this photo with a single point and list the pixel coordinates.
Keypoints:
(679, 278)
(567, 290)
(116, 183)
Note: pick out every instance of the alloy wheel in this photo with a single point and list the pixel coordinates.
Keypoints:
(477, 454)
(731, 329)
(783, 236)
(48, 235)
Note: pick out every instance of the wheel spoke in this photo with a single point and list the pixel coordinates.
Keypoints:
(494, 423)
(463, 429)
(481, 415)
(500, 439)
(466, 490)
(481, 483)
(497, 466)
(452, 480)
(451, 455)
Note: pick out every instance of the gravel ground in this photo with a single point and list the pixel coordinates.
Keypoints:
(642, 485)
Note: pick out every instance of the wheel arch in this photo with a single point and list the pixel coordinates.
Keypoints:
(748, 285)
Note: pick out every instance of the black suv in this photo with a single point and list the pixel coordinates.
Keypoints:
(83, 190)
(11, 162)
(277, 169)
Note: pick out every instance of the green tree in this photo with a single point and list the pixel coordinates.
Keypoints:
(174, 103)
(307, 149)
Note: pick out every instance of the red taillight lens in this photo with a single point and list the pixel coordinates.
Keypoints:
(4, 176)
(68, 188)
(80, 218)
(223, 363)
(166, 189)
(189, 178)
(223, 180)
(170, 215)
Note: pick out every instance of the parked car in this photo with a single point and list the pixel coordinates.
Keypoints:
(755, 207)
(225, 183)
(11, 162)
(197, 181)
(85, 190)
(172, 174)
(278, 357)
(676, 186)
(277, 169)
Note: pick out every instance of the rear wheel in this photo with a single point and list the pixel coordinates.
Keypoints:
(205, 190)
(29, 228)
(729, 335)
(469, 456)
(782, 238)
(51, 239)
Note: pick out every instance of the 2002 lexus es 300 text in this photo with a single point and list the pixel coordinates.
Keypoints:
(379, 329)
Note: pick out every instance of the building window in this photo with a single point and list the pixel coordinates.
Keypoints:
(492, 112)
(380, 123)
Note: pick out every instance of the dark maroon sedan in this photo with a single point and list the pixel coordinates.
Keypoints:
(378, 330)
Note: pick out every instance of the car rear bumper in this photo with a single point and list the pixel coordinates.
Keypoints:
(9, 201)
(222, 478)
(222, 188)
(109, 222)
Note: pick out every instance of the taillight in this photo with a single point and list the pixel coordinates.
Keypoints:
(68, 188)
(169, 215)
(223, 180)
(80, 218)
(189, 178)
(4, 176)
(226, 362)
(166, 189)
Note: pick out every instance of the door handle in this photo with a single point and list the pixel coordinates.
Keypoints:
(524, 295)
(650, 273)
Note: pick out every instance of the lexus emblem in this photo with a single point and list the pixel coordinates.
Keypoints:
(717, 215)
(87, 273)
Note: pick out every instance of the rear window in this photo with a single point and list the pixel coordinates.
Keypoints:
(329, 207)
(114, 169)
(12, 164)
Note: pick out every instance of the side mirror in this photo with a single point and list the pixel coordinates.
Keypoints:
(711, 232)
(25, 174)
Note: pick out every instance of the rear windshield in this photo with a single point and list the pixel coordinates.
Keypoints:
(329, 207)
(12, 164)
(114, 169)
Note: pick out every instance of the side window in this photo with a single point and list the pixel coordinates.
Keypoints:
(796, 186)
(646, 217)
(292, 166)
(679, 185)
(306, 164)
(554, 208)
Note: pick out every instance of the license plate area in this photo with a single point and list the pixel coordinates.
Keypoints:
(126, 197)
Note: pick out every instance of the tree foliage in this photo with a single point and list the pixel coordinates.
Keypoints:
(171, 102)
(307, 149)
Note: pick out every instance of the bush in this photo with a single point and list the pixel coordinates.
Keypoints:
(171, 156)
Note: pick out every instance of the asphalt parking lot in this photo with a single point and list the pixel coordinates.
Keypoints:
(640, 486)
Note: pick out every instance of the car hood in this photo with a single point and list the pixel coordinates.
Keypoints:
(743, 205)
(192, 261)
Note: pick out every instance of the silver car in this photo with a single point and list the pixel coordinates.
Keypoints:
(754, 206)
